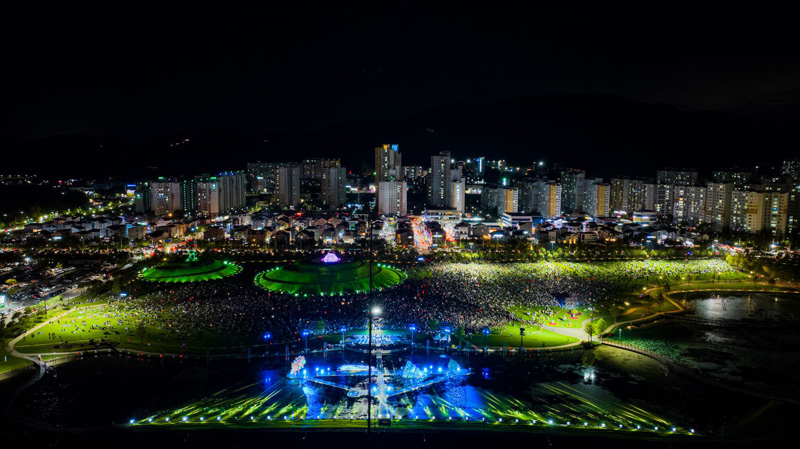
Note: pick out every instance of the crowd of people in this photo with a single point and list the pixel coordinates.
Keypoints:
(469, 296)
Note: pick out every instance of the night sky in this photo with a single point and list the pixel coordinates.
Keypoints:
(111, 70)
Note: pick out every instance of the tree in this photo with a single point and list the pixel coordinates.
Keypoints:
(141, 331)
(599, 326)
(116, 287)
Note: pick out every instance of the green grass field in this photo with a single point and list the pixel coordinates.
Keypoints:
(116, 325)
(203, 270)
(509, 336)
(306, 278)
(12, 362)
(557, 319)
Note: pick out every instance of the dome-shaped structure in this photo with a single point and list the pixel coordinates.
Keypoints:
(328, 276)
(192, 269)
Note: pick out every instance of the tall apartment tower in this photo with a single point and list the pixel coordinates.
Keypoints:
(572, 190)
(597, 198)
(289, 185)
(388, 167)
(208, 196)
(332, 186)
(666, 180)
(718, 205)
(550, 200)
(232, 189)
(511, 200)
(440, 181)
(393, 198)
(165, 196)
(689, 205)
(189, 195)
(776, 210)
(747, 210)
(143, 197)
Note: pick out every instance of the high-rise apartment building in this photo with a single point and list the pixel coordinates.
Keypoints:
(459, 195)
(232, 191)
(392, 199)
(649, 195)
(665, 198)
(263, 175)
(142, 197)
(597, 199)
(793, 225)
(388, 167)
(747, 210)
(289, 185)
(572, 190)
(165, 196)
(717, 210)
(414, 172)
(791, 168)
(334, 180)
(440, 180)
(631, 195)
(189, 195)
(776, 210)
(529, 196)
(511, 200)
(689, 205)
(208, 196)
(738, 177)
(550, 200)
(677, 176)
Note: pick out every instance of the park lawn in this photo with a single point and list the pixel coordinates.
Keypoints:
(510, 337)
(558, 317)
(13, 362)
(156, 339)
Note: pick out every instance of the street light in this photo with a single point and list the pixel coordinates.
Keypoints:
(486, 333)
(375, 311)
(305, 335)
(412, 328)
(342, 330)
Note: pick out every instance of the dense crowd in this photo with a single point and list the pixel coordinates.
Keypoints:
(471, 296)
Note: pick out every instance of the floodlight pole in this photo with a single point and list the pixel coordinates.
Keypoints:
(369, 345)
